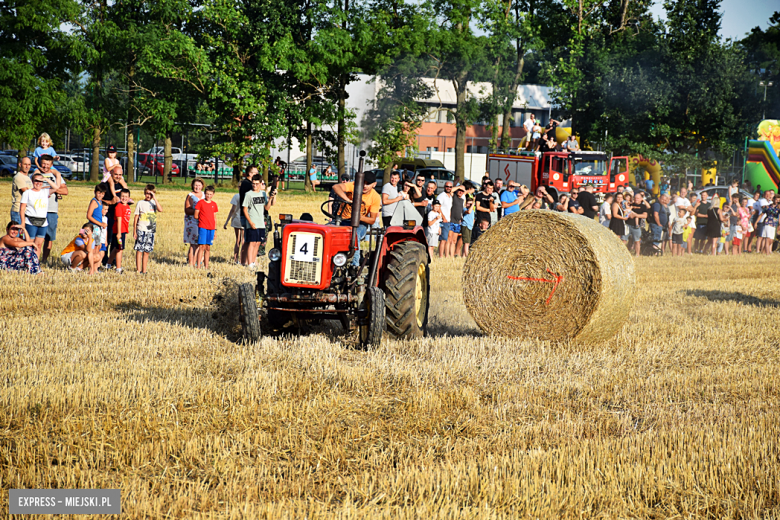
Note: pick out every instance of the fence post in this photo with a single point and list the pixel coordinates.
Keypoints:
(154, 160)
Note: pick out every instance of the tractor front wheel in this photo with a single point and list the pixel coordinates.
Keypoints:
(250, 319)
(370, 333)
(407, 287)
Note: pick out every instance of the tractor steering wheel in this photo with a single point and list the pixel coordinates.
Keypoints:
(325, 211)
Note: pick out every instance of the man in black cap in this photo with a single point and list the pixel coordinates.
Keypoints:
(371, 205)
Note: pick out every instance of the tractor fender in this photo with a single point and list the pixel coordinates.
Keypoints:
(394, 236)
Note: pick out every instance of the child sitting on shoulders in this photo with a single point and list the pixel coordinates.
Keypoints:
(145, 227)
(44, 148)
(109, 163)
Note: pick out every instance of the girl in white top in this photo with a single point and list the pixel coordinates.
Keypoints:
(109, 163)
(234, 217)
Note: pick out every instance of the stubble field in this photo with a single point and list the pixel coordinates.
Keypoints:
(119, 381)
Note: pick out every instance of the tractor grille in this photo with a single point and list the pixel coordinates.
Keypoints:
(309, 270)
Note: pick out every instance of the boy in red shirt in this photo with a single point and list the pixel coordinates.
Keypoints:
(122, 216)
(205, 211)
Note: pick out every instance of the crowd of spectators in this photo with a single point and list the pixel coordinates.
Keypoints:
(676, 223)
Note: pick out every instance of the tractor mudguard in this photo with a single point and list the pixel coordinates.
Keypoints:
(396, 235)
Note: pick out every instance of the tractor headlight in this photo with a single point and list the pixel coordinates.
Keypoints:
(274, 254)
(339, 259)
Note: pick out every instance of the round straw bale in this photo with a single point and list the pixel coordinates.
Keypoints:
(551, 276)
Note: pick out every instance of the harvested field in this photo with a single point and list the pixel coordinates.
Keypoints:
(118, 381)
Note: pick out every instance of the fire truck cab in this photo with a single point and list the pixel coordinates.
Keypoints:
(559, 172)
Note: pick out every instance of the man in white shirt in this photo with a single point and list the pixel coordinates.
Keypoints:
(759, 206)
(447, 244)
(390, 198)
(682, 202)
(529, 126)
(52, 174)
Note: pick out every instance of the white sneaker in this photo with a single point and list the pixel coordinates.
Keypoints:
(120, 270)
(251, 267)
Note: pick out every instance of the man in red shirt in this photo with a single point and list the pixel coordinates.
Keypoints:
(205, 212)
(121, 227)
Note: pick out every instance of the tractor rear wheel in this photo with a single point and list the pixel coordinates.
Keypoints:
(370, 334)
(407, 287)
(250, 320)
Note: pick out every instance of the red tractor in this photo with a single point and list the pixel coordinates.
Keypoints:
(311, 277)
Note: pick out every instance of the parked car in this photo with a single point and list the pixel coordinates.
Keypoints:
(721, 191)
(7, 165)
(78, 164)
(407, 163)
(176, 153)
(440, 175)
(149, 163)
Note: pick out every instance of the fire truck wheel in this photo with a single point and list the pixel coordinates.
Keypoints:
(250, 320)
(407, 287)
(370, 334)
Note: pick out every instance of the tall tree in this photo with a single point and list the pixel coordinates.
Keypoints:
(391, 124)
(514, 28)
(35, 59)
(455, 53)
(762, 49)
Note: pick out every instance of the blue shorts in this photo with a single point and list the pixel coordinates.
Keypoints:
(34, 232)
(255, 235)
(732, 233)
(445, 231)
(206, 236)
(455, 228)
(635, 232)
(51, 232)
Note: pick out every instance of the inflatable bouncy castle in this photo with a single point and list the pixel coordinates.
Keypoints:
(763, 167)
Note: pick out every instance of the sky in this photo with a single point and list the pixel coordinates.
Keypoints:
(739, 16)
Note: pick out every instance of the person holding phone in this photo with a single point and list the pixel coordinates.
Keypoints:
(80, 254)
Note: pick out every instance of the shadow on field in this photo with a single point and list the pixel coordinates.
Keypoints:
(178, 315)
(723, 296)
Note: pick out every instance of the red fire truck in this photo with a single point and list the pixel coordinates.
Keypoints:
(559, 172)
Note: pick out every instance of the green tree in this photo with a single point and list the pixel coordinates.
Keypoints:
(36, 57)
(762, 51)
(455, 56)
(391, 124)
(514, 29)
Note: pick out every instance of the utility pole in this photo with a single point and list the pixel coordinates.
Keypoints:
(765, 84)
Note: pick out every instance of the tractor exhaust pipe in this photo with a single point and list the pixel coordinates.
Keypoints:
(357, 201)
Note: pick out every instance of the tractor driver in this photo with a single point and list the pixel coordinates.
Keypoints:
(370, 207)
